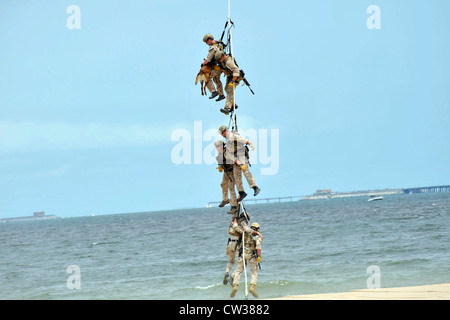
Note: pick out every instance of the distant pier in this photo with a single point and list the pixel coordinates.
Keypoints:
(262, 200)
(427, 189)
(328, 194)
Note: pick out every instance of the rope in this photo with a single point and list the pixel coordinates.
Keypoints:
(245, 267)
(244, 211)
(230, 43)
(241, 205)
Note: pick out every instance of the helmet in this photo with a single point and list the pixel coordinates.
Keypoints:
(255, 225)
(218, 143)
(208, 36)
(218, 55)
(222, 129)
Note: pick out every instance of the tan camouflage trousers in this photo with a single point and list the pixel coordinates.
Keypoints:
(215, 75)
(237, 173)
(230, 251)
(229, 102)
(228, 186)
(249, 260)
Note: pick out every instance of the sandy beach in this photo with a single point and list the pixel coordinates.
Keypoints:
(427, 292)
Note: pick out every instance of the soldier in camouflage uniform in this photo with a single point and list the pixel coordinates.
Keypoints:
(229, 67)
(214, 47)
(227, 184)
(233, 246)
(238, 225)
(236, 154)
(251, 252)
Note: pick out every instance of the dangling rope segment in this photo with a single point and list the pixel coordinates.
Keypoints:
(229, 45)
(242, 209)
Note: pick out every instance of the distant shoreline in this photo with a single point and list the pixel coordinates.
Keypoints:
(368, 193)
(328, 194)
(18, 219)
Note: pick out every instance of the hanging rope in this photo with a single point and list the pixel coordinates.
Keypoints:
(244, 212)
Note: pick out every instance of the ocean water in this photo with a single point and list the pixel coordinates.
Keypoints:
(315, 246)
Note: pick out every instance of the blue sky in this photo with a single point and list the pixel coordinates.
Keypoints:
(86, 115)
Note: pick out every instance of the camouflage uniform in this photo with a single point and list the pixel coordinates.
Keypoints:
(235, 231)
(228, 181)
(215, 71)
(230, 69)
(252, 243)
(236, 151)
(232, 247)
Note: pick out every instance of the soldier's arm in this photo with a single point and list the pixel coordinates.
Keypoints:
(237, 227)
(247, 228)
(258, 244)
(210, 56)
(234, 69)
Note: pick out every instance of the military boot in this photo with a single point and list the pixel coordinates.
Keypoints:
(230, 279)
(233, 291)
(225, 278)
(242, 195)
(223, 203)
(233, 210)
(225, 111)
(221, 97)
(214, 94)
(252, 290)
(257, 190)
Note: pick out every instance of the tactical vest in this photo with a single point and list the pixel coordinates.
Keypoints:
(228, 167)
(249, 243)
(220, 46)
(240, 149)
(223, 65)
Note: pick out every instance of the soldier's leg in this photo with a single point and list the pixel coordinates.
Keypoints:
(232, 190)
(225, 186)
(231, 253)
(237, 276)
(249, 177)
(233, 201)
(237, 174)
(238, 272)
(254, 270)
(210, 85)
(215, 75)
(254, 276)
(230, 96)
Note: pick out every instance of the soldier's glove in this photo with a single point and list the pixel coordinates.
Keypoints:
(220, 169)
(252, 146)
(258, 259)
(217, 68)
(243, 167)
(231, 84)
